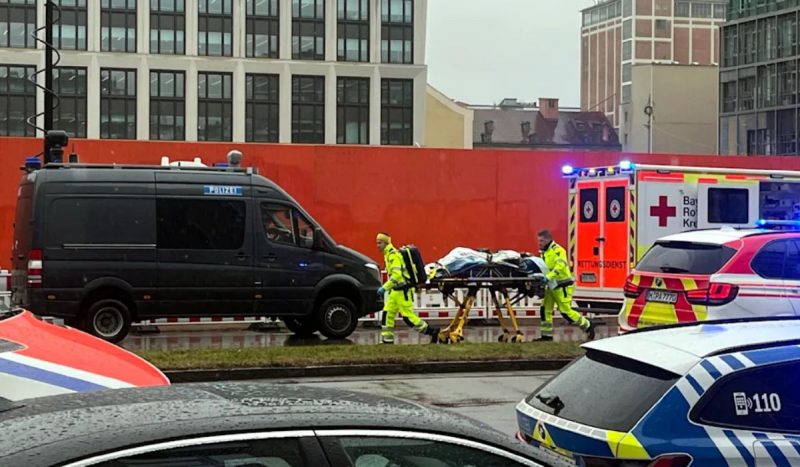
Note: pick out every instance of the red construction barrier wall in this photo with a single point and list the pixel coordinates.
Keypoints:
(435, 198)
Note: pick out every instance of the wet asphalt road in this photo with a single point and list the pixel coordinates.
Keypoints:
(488, 397)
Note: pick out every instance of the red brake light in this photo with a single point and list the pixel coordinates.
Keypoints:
(716, 294)
(631, 290)
(671, 461)
(35, 268)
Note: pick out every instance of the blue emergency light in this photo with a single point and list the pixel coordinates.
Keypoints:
(626, 165)
(32, 163)
(567, 170)
(779, 224)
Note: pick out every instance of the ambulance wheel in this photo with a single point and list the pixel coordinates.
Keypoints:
(300, 327)
(108, 319)
(337, 318)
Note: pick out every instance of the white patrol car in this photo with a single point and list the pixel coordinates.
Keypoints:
(702, 394)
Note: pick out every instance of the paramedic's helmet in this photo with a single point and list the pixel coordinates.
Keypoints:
(234, 158)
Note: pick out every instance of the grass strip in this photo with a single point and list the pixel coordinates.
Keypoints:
(324, 355)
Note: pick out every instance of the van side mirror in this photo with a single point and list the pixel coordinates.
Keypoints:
(317, 243)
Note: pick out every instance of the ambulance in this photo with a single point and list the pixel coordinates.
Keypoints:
(616, 214)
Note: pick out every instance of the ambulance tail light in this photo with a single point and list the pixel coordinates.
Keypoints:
(715, 295)
(631, 290)
(663, 461)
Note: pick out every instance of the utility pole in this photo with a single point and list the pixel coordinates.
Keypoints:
(48, 76)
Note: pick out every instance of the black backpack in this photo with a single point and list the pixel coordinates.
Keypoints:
(412, 259)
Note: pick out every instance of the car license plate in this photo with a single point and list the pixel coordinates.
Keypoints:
(661, 296)
(556, 459)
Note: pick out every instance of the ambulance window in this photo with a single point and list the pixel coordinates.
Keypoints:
(769, 262)
(757, 399)
(587, 201)
(615, 204)
(728, 205)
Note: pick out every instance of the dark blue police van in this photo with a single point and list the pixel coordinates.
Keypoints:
(103, 246)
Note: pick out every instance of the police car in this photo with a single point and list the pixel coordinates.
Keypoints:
(699, 394)
(714, 274)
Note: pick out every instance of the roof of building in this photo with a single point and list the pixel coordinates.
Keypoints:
(514, 124)
(680, 348)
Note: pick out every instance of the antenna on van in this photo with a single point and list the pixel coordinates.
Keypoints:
(235, 158)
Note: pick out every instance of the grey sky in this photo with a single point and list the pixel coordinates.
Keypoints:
(480, 51)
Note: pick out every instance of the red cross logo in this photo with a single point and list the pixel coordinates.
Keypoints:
(663, 211)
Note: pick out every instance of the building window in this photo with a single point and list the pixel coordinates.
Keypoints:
(17, 23)
(787, 35)
(308, 29)
(728, 90)
(626, 72)
(747, 43)
(767, 39)
(353, 31)
(69, 83)
(117, 103)
(18, 96)
(352, 111)
(663, 28)
(729, 46)
(627, 29)
(397, 31)
(766, 87)
(262, 112)
(747, 86)
(683, 9)
(167, 105)
(720, 11)
(627, 50)
(167, 27)
(70, 31)
(626, 94)
(308, 109)
(263, 28)
(214, 106)
(118, 26)
(397, 112)
(627, 7)
(786, 140)
(215, 28)
(701, 10)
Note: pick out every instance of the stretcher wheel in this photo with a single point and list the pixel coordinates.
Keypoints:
(516, 338)
(502, 337)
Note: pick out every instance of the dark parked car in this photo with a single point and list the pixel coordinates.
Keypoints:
(245, 424)
(105, 245)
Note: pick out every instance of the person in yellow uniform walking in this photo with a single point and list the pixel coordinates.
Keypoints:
(400, 295)
(560, 288)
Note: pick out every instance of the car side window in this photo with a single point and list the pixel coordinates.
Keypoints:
(284, 224)
(406, 452)
(248, 453)
(769, 262)
(278, 223)
(792, 268)
(763, 398)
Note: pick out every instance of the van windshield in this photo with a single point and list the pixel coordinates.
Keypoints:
(627, 389)
(685, 258)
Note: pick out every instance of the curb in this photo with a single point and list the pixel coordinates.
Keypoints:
(197, 376)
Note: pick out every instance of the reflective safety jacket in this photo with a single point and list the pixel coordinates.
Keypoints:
(395, 269)
(555, 257)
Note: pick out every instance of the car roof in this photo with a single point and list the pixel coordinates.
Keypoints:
(52, 430)
(679, 348)
(723, 236)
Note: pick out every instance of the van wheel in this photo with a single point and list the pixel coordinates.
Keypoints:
(337, 318)
(301, 327)
(108, 319)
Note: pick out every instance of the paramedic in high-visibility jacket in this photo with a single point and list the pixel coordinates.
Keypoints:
(399, 295)
(560, 288)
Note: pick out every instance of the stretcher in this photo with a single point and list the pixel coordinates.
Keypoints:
(507, 283)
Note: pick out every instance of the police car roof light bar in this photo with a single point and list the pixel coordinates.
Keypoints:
(767, 223)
